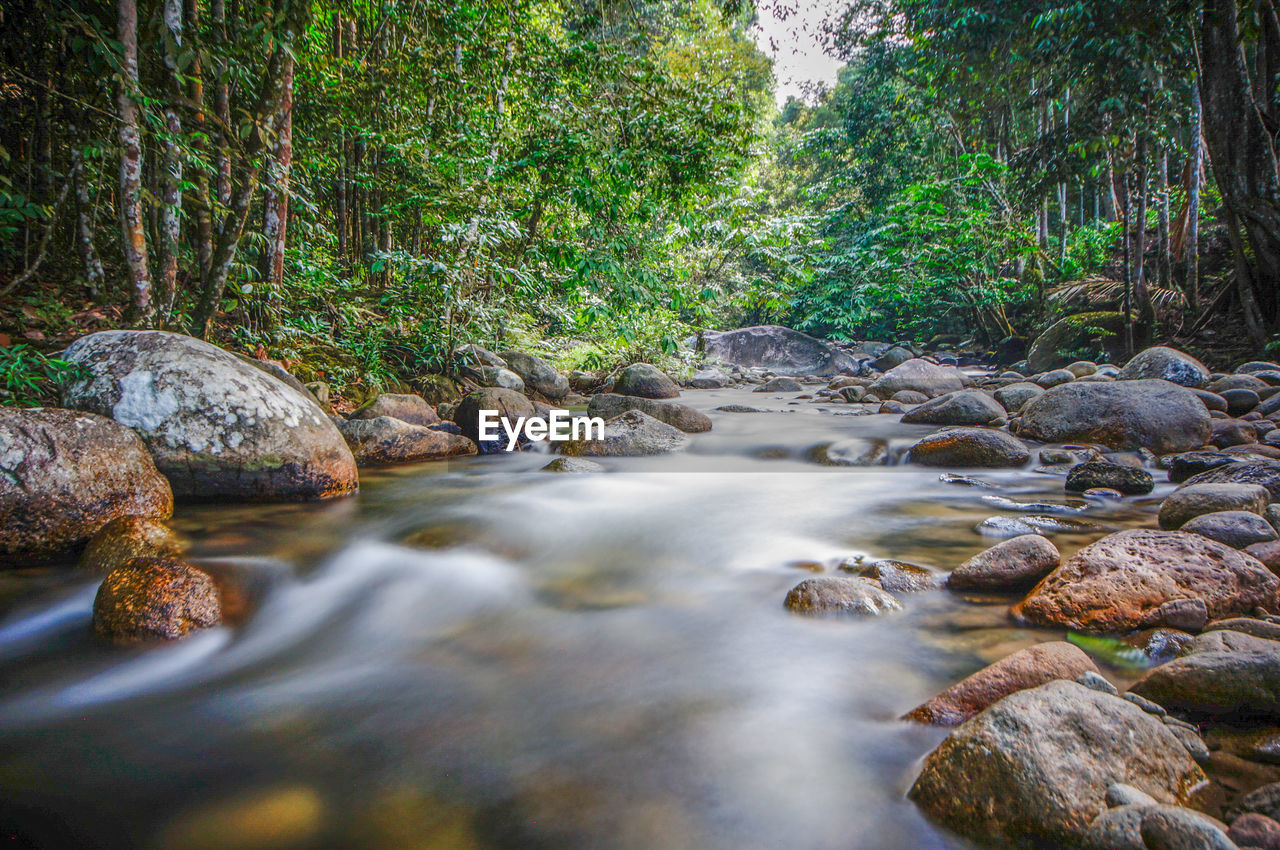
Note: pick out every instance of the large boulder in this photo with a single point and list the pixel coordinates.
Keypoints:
(645, 381)
(780, 349)
(969, 407)
(537, 374)
(413, 409)
(217, 427)
(1026, 668)
(1233, 677)
(66, 474)
(610, 405)
(386, 441)
(509, 406)
(1066, 339)
(153, 599)
(920, 376)
(1140, 579)
(970, 447)
(631, 434)
(1033, 769)
(1124, 415)
(1168, 364)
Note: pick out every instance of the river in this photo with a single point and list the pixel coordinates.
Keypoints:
(477, 654)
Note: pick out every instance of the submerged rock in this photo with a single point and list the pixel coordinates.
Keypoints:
(855, 452)
(833, 596)
(1033, 769)
(1138, 579)
(1100, 473)
(66, 474)
(572, 464)
(152, 599)
(217, 427)
(1026, 668)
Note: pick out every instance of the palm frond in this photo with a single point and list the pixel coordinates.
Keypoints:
(1099, 290)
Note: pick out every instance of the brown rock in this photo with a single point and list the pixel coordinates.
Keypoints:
(125, 538)
(970, 448)
(1026, 668)
(406, 407)
(1139, 579)
(66, 475)
(1015, 564)
(152, 599)
(385, 441)
(831, 596)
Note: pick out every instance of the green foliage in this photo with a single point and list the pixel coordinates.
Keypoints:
(31, 379)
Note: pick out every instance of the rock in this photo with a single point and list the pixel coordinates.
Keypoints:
(1096, 682)
(1237, 382)
(898, 576)
(631, 434)
(1101, 473)
(1125, 415)
(1014, 396)
(1061, 341)
(1082, 368)
(856, 452)
(920, 376)
(1026, 668)
(1168, 364)
(1118, 828)
(1193, 500)
(509, 405)
(1262, 472)
(709, 379)
(125, 538)
(1240, 682)
(320, 392)
(1231, 432)
(834, 596)
(1054, 378)
(970, 447)
(1263, 800)
(217, 427)
(1236, 529)
(152, 599)
(1015, 564)
(497, 376)
(66, 474)
(1179, 828)
(1211, 401)
(474, 355)
(1007, 527)
(780, 349)
(572, 464)
(1240, 401)
(1246, 625)
(969, 407)
(1252, 830)
(895, 356)
(385, 441)
(538, 375)
(1033, 769)
(909, 397)
(609, 405)
(641, 379)
(1139, 579)
(779, 385)
(407, 408)
(1183, 466)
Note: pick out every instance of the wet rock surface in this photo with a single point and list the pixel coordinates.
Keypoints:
(154, 599)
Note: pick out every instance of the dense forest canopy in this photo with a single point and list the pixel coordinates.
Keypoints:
(369, 185)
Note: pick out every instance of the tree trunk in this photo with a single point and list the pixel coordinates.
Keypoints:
(93, 273)
(1193, 200)
(203, 207)
(276, 204)
(1141, 290)
(1165, 264)
(131, 213)
(222, 106)
(171, 172)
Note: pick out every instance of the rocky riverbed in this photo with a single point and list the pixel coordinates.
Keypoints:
(921, 603)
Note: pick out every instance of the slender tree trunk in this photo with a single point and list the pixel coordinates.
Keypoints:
(171, 177)
(131, 212)
(1128, 268)
(340, 181)
(222, 106)
(1193, 200)
(93, 273)
(1165, 266)
(1141, 290)
(276, 204)
(203, 207)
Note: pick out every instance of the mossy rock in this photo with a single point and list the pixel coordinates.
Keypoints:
(436, 389)
(1082, 336)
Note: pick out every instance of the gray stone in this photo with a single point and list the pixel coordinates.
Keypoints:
(778, 348)
(1237, 529)
(1100, 473)
(971, 448)
(1013, 565)
(631, 434)
(968, 407)
(407, 408)
(1168, 364)
(537, 374)
(833, 596)
(1125, 415)
(1014, 396)
(920, 376)
(1193, 500)
(610, 405)
(646, 381)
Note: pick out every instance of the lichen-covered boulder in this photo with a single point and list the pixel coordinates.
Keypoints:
(1139, 579)
(217, 427)
(153, 599)
(1033, 769)
(65, 475)
(1123, 415)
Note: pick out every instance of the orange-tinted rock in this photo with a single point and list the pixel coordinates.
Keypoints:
(125, 538)
(153, 599)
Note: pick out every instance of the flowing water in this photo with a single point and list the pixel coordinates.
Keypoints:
(477, 654)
